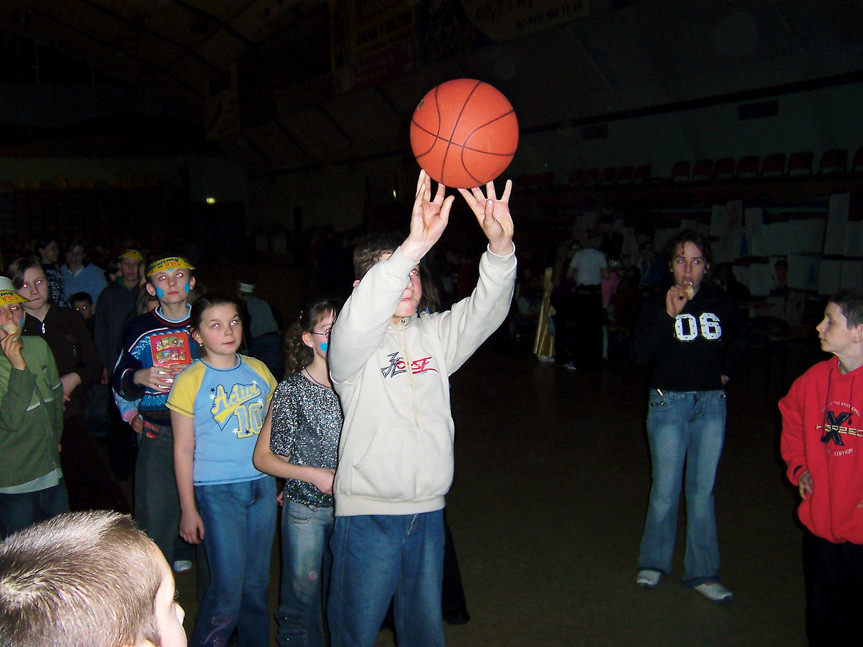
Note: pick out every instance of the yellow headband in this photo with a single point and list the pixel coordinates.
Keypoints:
(131, 253)
(8, 297)
(170, 263)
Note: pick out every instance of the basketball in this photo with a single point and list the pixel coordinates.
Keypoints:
(464, 133)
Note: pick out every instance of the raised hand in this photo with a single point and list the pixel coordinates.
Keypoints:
(429, 218)
(11, 346)
(675, 300)
(493, 215)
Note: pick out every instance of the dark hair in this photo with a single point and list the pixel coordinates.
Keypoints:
(80, 578)
(430, 299)
(202, 303)
(689, 236)
(297, 354)
(850, 302)
(369, 250)
(21, 265)
(42, 243)
(81, 296)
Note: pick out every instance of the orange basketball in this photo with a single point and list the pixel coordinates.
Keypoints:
(464, 133)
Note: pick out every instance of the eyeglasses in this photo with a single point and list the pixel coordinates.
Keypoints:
(325, 333)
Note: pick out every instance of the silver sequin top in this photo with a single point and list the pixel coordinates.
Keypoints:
(307, 420)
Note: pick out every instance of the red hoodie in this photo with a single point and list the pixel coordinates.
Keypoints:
(822, 432)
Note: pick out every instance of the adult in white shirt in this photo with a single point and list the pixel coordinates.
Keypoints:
(587, 268)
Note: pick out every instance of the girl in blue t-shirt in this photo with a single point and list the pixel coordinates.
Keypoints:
(218, 406)
(299, 442)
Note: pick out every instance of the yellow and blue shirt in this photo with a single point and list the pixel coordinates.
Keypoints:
(228, 407)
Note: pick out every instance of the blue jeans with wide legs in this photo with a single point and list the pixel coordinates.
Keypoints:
(380, 557)
(684, 428)
(306, 561)
(239, 524)
(17, 511)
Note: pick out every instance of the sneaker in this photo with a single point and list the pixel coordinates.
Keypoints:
(569, 366)
(182, 565)
(648, 578)
(714, 591)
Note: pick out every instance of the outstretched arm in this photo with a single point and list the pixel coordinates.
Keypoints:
(266, 460)
(191, 524)
(493, 216)
(429, 218)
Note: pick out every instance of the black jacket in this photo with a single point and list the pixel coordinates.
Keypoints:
(691, 351)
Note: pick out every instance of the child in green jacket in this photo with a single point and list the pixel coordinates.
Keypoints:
(31, 422)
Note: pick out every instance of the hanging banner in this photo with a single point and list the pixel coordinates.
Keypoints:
(502, 20)
(372, 40)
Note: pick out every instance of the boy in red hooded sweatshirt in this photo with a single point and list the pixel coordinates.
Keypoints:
(822, 444)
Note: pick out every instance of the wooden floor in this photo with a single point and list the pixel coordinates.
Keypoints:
(552, 477)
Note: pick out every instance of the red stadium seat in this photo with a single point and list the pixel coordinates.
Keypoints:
(590, 177)
(702, 170)
(747, 166)
(680, 171)
(773, 165)
(833, 161)
(606, 176)
(857, 162)
(800, 163)
(724, 168)
(624, 175)
(642, 173)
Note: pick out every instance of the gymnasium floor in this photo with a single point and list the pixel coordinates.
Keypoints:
(552, 477)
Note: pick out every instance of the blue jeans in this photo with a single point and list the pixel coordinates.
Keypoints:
(239, 524)
(17, 511)
(684, 427)
(377, 557)
(306, 562)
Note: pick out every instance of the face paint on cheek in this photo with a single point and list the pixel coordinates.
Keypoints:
(186, 288)
(324, 346)
(160, 293)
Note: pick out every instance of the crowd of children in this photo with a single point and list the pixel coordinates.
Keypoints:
(361, 433)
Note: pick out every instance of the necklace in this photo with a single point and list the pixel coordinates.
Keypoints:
(311, 377)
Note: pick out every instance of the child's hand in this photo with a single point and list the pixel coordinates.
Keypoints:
(492, 215)
(192, 527)
(804, 485)
(324, 477)
(137, 424)
(11, 345)
(70, 382)
(675, 300)
(158, 378)
(429, 218)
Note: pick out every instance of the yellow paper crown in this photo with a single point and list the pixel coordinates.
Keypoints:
(8, 295)
(131, 253)
(169, 263)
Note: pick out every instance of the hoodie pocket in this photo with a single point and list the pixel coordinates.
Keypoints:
(405, 463)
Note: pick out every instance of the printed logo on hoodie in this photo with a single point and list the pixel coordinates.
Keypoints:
(398, 365)
(837, 425)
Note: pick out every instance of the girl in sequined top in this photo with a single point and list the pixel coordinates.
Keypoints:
(299, 442)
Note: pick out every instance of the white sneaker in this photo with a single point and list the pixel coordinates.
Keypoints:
(182, 565)
(714, 591)
(648, 578)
